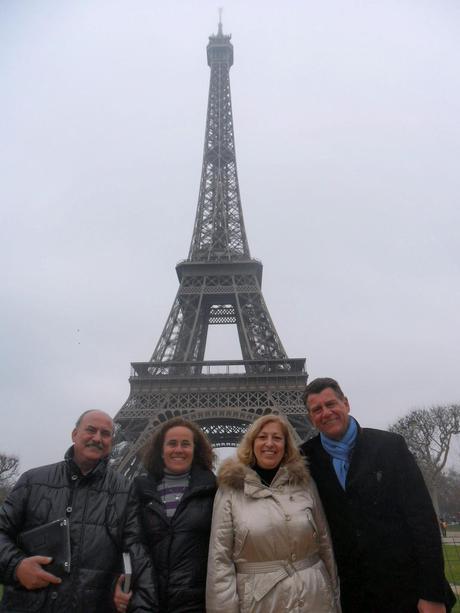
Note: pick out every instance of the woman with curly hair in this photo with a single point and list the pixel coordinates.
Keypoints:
(270, 548)
(176, 498)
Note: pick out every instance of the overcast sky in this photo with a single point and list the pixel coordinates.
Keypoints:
(347, 135)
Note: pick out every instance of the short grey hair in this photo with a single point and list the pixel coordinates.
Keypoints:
(80, 419)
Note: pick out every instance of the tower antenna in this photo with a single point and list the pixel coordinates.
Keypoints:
(219, 32)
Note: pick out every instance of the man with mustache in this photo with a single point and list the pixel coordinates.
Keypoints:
(102, 512)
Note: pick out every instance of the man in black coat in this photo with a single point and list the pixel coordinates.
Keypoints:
(103, 515)
(383, 525)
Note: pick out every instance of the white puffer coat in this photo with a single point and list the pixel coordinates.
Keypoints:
(270, 549)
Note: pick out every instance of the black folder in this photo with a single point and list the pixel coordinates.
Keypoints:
(52, 540)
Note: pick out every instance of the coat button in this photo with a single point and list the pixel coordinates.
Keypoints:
(293, 557)
(53, 595)
(301, 603)
(74, 477)
(68, 510)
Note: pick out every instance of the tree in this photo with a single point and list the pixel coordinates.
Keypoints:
(9, 466)
(449, 495)
(428, 434)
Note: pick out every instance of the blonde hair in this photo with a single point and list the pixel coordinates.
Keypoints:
(245, 451)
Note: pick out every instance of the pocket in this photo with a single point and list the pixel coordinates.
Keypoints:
(238, 541)
(311, 520)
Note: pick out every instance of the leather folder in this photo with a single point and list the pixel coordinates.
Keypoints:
(52, 540)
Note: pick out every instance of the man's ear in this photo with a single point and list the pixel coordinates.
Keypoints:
(347, 404)
(74, 432)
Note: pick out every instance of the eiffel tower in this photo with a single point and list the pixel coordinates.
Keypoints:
(219, 283)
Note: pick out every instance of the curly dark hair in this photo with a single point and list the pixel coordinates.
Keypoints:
(203, 454)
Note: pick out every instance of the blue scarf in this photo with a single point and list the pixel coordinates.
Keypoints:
(340, 450)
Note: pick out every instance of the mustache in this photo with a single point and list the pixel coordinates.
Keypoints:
(97, 445)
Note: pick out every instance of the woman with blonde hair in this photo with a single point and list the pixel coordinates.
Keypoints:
(270, 548)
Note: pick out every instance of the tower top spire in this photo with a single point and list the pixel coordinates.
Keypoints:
(219, 28)
(219, 233)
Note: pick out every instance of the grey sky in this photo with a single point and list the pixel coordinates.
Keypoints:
(348, 145)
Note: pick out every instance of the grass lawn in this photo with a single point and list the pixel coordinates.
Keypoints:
(452, 566)
(452, 563)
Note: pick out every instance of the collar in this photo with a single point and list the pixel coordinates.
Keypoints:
(74, 469)
(201, 479)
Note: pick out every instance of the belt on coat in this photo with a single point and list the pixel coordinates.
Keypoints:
(278, 569)
(274, 565)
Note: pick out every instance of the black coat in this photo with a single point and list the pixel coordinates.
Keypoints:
(104, 521)
(179, 545)
(384, 529)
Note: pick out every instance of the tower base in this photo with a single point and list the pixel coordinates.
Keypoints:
(223, 397)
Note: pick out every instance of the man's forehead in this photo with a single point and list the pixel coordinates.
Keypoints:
(325, 393)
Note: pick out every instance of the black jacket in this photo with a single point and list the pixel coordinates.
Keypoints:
(104, 521)
(179, 545)
(384, 529)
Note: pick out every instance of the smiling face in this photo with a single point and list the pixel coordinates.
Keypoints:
(92, 440)
(269, 445)
(329, 413)
(178, 448)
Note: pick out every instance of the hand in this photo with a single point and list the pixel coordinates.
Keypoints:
(120, 598)
(31, 574)
(427, 606)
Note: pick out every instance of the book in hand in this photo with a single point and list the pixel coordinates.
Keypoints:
(52, 540)
(127, 571)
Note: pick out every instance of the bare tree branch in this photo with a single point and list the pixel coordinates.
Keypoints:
(8, 469)
(428, 434)
(449, 494)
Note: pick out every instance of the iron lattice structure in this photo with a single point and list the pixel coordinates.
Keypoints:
(219, 283)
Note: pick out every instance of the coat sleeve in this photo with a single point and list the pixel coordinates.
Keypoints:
(326, 550)
(221, 592)
(144, 597)
(11, 522)
(417, 508)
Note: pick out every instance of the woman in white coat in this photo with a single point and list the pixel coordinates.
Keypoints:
(270, 549)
